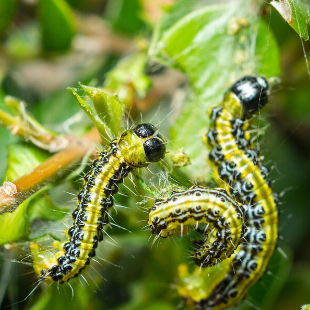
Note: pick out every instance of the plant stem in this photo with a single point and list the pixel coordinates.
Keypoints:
(37, 135)
(12, 194)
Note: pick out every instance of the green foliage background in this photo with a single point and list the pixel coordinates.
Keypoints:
(50, 45)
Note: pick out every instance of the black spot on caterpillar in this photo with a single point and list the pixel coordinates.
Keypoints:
(135, 148)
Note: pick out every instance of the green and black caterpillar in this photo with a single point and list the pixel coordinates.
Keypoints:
(237, 168)
(212, 212)
(135, 148)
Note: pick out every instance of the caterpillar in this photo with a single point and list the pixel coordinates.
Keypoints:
(237, 166)
(238, 169)
(223, 216)
(135, 148)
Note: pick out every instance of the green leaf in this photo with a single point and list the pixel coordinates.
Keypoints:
(109, 110)
(90, 112)
(16, 225)
(34, 131)
(58, 25)
(7, 11)
(125, 16)
(79, 301)
(41, 206)
(22, 159)
(297, 288)
(305, 307)
(296, 13)
(108, 107)
(213, 45)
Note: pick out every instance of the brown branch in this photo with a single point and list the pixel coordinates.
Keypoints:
(12, 194)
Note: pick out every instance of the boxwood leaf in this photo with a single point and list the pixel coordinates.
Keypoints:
(58, 25)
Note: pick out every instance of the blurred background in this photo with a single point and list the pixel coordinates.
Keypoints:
(48, 45)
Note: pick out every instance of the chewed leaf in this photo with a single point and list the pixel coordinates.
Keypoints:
(16, 225)
(108, 107)
(296, 13)
(101, 126)
(213, 45)
(56, 36)
(216, 40)
(109, 110)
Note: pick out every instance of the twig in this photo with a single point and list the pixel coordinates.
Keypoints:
(41, 138)
(12, 194)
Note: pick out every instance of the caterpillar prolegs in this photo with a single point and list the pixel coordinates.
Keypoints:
(212, 212)
(135, 148)
(237, 168)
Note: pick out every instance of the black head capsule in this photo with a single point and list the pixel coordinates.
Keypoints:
(142, 145)
(145, 130)
(154, 148)
(252, 92)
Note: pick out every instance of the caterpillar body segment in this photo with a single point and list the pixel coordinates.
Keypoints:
(222, 218)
